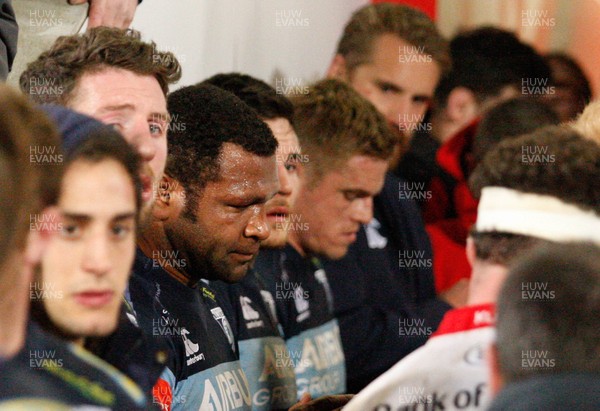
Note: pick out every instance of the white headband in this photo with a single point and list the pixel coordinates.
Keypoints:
(506, 210)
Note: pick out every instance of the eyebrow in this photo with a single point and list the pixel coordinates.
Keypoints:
(358, 192)
(166, 117)
(384, 83)
(84, 218)
(118, 107)
(130, 107)
(396, 89)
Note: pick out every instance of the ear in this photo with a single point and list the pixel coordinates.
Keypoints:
(170, 199)
(337, 68)
(38, 239)
(471, 253)
(461, 106)
(495, 376)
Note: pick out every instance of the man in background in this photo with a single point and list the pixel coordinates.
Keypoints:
(519, 209)
(263, 353)
(544, 350)
(393, 56)
(208, 222)
(346, 144)
(115, 77)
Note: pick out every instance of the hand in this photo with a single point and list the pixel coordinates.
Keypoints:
(326, 403)
(111, 13)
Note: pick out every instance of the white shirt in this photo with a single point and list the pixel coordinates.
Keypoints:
(448, 373)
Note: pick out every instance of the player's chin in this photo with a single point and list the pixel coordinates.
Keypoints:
(335, 251)
(93, 326)
(237, 271)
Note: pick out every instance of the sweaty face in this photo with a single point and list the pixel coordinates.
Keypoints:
(399, 81)
(87, 264)
(222, 236)
(279, 207)
(336, 206)
(136, 107)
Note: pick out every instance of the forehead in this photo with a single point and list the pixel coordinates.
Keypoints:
(360, 172)
(395, 60)
(102, 187)
(284, 133)
(115, 86)
(242, 173)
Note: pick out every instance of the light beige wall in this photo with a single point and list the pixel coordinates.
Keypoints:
(561, 25)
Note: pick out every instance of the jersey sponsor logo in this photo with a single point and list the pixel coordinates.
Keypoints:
(251, 316)
(318, 358)
(474, 398)
(223, 387)
(270, 303)
(273, 384)
(483, 317)
(475, 355)
(191, 348)
(374, 237)
(301, 303)
(220, 318)
(227, 390)
(322, 279)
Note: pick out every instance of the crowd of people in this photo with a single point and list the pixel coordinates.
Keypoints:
(419, 230)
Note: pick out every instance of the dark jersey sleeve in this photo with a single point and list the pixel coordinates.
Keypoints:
(8, 37)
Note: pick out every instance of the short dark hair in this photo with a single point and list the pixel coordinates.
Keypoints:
(27, 186)
(580, 82)
(334, 123)
(508, 119)
(572, 178)
(503, 248)
(408, 23)
(561, 323)
(95, 50)
(106, 144)
(487, 59)
(256, 93)
(205, 118)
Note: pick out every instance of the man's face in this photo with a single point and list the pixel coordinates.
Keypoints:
(86, 266)
(399, 81)
(279, 207)
(337, 205)
(136, 107)
(230, 220)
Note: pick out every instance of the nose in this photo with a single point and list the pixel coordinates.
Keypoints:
(257, 226)
(140, 137)
(96, 258)
(400, 113)
(285, 185)
(362, 210)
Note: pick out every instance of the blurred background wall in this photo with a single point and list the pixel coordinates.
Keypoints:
(296, 39)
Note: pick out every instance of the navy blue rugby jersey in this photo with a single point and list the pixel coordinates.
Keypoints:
(263, 352)
(204, 371)
(49, 373)
(384, 281)
(304, 307)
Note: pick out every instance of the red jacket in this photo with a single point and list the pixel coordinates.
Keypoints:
(452, 210)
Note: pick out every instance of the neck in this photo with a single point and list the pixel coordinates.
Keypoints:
(486, 281)
(155, 244)
(294, 241)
